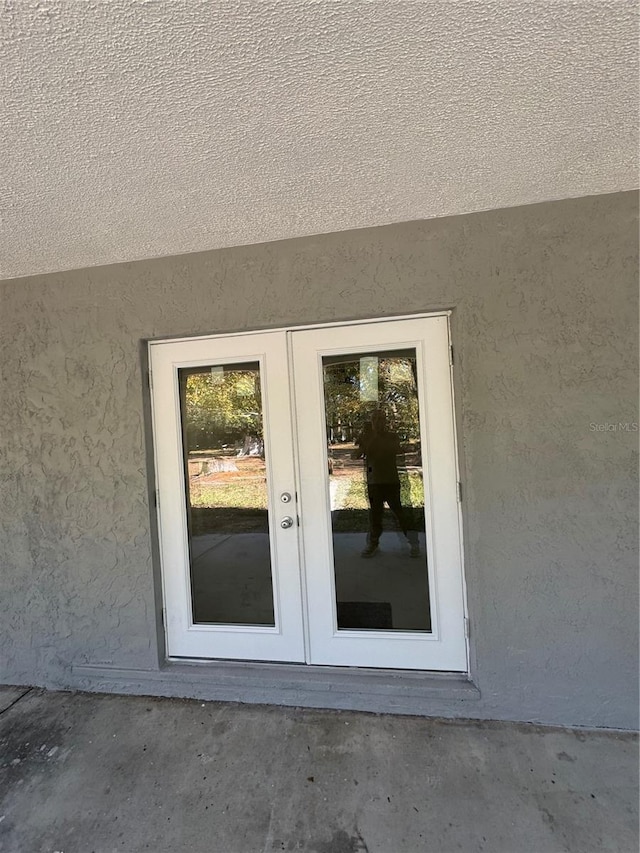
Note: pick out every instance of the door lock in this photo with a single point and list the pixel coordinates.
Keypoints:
(286, 522)
(285, 497)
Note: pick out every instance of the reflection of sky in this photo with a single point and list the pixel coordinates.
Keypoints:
(369, 376)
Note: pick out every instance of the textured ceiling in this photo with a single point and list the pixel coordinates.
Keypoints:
(138, 129)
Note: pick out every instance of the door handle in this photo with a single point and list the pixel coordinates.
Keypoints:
(286, 522)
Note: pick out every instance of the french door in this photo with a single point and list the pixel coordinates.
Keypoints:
(307, 496)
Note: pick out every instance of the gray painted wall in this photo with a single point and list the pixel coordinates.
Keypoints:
(545, 328)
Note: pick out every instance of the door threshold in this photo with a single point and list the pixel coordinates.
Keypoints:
(421, 693)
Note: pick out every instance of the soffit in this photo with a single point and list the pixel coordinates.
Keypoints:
(140, 129)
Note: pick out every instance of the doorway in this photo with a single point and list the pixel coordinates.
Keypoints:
(307, 496)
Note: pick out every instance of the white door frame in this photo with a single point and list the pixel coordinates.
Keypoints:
(260, 643)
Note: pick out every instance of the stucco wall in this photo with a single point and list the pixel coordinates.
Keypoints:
(545, 329)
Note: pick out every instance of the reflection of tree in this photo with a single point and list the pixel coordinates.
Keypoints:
(397, 394)
(223, 408)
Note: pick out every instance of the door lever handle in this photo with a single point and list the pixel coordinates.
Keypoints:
(286, 522)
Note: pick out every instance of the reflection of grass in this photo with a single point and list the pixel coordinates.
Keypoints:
(233, 500)
(251, 493)
(352, 493)
(412, 490)
(246, 494)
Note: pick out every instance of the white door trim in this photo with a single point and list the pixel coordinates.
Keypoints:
(236, 333)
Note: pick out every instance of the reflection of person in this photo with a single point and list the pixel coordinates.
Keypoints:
(380, 449)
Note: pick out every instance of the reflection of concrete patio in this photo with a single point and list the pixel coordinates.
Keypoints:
(232, 578)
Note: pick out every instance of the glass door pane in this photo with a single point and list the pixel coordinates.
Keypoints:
(376, 491)
(226, 494)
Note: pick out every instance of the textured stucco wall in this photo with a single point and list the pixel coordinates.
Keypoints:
(545, 326)
(139, 129)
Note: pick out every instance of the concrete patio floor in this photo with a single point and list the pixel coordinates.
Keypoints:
(82, 773)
